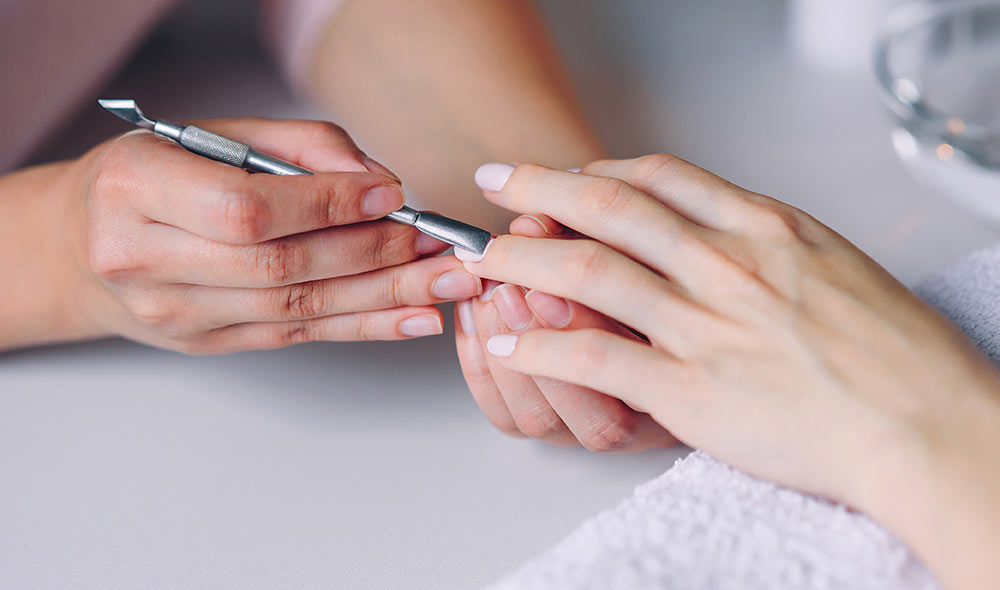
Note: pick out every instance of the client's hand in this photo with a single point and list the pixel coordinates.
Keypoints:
(194, 255)
(553, 411)
(773, 343)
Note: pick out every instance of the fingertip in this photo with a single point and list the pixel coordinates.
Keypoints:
(468, 256)
(425, 324)
(493, 176)
(502, 345)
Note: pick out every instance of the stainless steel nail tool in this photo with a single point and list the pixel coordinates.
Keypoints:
(229, 151)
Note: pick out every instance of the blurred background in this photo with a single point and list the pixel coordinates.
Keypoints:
(332, 465)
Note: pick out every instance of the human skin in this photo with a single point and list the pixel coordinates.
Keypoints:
(214, 259)
(389, 70)
(436, 87)
(769, 341)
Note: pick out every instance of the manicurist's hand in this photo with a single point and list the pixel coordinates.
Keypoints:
(554, 411)
(182, 252)
(773, 343)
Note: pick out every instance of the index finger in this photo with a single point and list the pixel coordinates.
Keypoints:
(226, 204)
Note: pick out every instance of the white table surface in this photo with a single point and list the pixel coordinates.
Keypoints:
(368, 465)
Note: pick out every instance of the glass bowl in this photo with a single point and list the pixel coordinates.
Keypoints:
(938, 69)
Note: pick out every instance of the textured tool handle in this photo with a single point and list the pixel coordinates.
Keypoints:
(213, 145)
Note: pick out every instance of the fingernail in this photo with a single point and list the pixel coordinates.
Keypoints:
(377, 168)
(466, 256)
(502, 344)
(573, 170)
(456, 284)
(513, 309)
(489, 285)
(421, 325)
(493, 176)
(429, 245)
(553, 310)
(466, 318)
(382, 200)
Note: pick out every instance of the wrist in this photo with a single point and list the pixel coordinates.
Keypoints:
(48, 297)
(936, 485)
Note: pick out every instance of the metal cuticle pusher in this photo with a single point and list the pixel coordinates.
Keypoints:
(229, 151)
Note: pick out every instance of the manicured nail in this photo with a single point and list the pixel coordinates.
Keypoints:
(489, 285)
(513, 309)
(377, 168)
(493, 176)
(573, 170)
(421, 325)
(428, 245)
(382, 200)
(502, 344)
(466, 318)
(466, 256)
(456, 284)
(553, 310)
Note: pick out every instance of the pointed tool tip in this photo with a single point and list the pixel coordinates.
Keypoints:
(127, 109)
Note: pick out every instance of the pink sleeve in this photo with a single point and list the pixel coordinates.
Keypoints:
(294, 28)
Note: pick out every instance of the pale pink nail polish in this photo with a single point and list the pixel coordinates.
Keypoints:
(421, 325)
(493, 176)
(489, 285)
(466, 318)
(513, 309)
(502, 344)
(466, 256)
(554, 311)
(456, 284)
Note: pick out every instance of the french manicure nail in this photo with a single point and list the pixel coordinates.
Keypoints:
(512, 307)
(553, 310)
(502, 344)
(467, 256)
(466, 319)
(489, 285)
(493, 176)
(421, 325)
(456, 284)
(382, 200)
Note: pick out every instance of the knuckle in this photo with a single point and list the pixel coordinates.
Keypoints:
(778, 221)
(326, 131)
(586, 260)
(587, 350)
(109, 260)
(152, 310)
(279, 262)
(298, 333)
(396, 289)
(647, 167)
(610, 435)
(540, 423)
(243, 216)
(113, 170)
(391, 244)
(304, 300)
(605, 198)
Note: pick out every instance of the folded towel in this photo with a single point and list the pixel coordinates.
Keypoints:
(705, 525)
